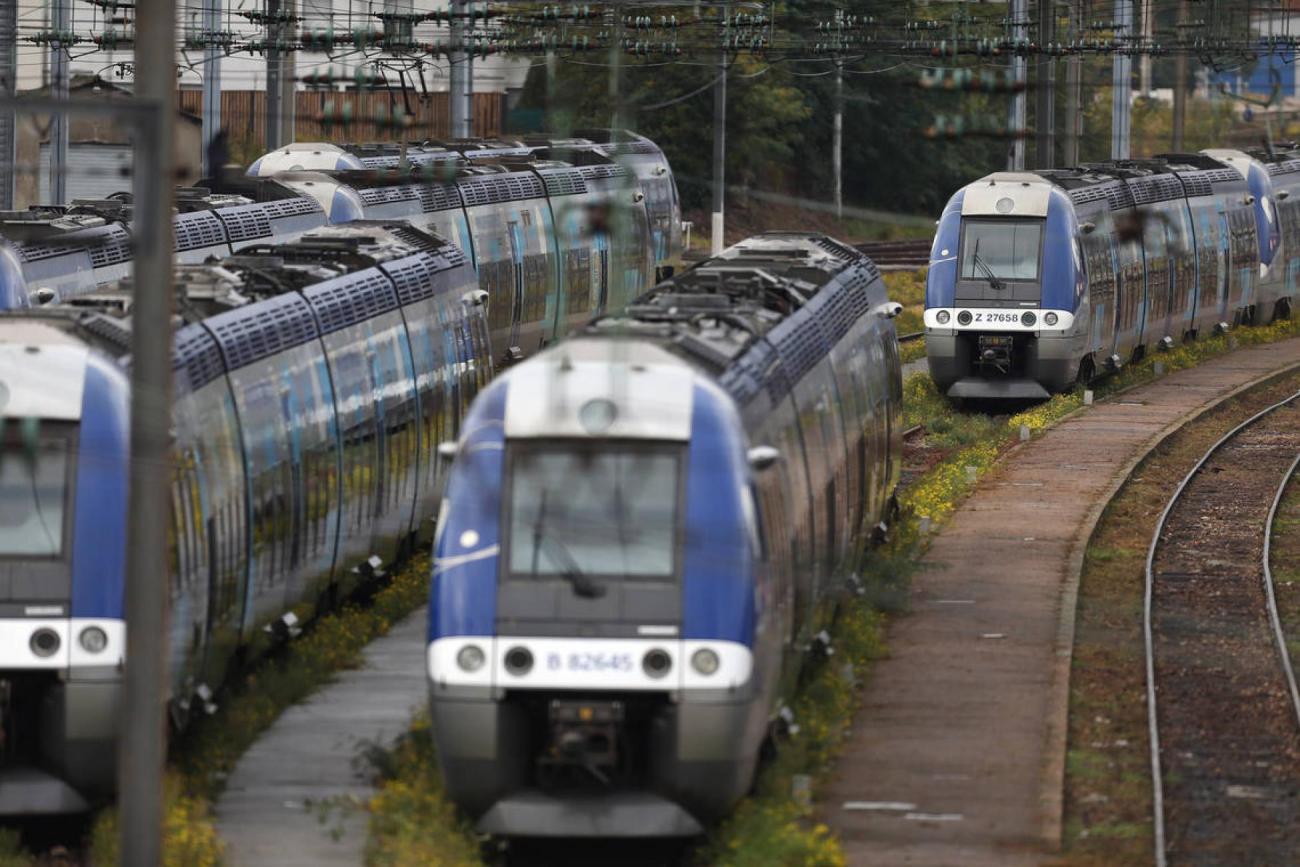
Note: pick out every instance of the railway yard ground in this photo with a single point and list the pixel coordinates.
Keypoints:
(1011, 645)
(961, 749)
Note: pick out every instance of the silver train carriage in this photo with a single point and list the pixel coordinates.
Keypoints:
(67, 251)
(644, 159)
(553, 243)
(1041, 280)
(644, 529)
(313, 382)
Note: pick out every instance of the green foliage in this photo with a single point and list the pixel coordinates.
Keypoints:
(12, 853)
(411, 820)
(779, 128)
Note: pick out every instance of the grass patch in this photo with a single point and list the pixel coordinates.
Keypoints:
(12, 853)
(205, 754)
(412, 822)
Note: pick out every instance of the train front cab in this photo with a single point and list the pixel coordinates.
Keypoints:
(63, 464)
(1005, 310)
(590, 663)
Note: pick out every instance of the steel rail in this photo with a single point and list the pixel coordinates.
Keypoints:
(1268, 588)
(1157, 783)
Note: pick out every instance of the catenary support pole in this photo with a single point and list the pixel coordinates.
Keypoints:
(457, 69)
(1073, 86)
(1144, 61)
(143, 742)
(837, 141)
(61, 23)
(718, 226)
(1019, 70)
(8, 87)
(1121, 82)
(288, 74)
(274, 70)
(1045, 82)
(212, 54)
(1180, 82)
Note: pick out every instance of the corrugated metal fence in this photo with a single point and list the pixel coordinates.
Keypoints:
(243, 113)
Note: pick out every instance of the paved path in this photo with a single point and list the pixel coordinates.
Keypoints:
(264, 817)
(958, 752)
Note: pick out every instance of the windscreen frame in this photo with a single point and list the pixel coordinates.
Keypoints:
(517, 448)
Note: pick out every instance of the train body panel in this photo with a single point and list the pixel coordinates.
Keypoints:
(302, 441)
(712, 446)
(1135, 256)
(66, 252)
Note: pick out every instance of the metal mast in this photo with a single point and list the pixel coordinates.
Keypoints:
(1121, 82)
(8, 87)
(143, 741)
(1019, 71)
(211, 81)
(61, 23)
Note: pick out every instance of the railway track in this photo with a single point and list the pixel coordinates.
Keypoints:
(898, 255)
(1223, 706)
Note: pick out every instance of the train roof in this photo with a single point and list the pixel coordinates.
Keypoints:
(711, 314)
(1134, 182)
(228, 295)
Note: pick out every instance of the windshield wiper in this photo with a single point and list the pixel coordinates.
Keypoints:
(991, 277)
(569, 570)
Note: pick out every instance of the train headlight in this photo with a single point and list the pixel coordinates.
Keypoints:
(704, 661)
(656, 663)
(470, 657)
(92, 639)
(963, 318)
(1050, 318)
(45, 642)
(942, 317)
(519, 661)
(597, 415)
(1028, 319)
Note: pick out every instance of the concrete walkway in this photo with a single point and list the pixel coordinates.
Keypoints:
(270, 812)
(958, 752)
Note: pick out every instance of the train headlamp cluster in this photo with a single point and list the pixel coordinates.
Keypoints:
(519, 660)
(705, 661)
(1028, 318)
(597, 415)
(656, 663)
(45, 642)
(942, 317)
(470, 657)
(92, 639)
(1050, 318)
(964, 318)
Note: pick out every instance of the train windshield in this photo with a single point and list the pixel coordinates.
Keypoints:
(1001, 249)
(33, 492)
(609, 511)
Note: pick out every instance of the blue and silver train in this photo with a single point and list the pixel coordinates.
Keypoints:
(313, 383)
(1041, 280)
(67, 251)
(551, 239)
(644, 529)
(631, 161)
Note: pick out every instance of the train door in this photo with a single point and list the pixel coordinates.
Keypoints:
(515, 239)
(1223, 255)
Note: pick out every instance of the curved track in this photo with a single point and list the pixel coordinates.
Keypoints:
(1223, 707)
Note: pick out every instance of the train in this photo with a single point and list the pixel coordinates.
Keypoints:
(314, 381)
(68, 250)
(1041, 281)
(633, 158)
(644, 530)
(554, 230)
